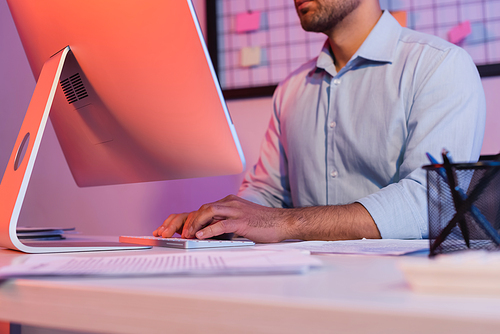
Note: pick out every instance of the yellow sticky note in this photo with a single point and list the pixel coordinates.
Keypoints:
(401, 17)
(250, 56)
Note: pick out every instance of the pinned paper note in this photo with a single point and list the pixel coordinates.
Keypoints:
(249, 21)
(250, 56)
(400, 16)
(459, 32)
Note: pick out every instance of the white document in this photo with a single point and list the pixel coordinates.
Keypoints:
(188, 263)
(364, 246)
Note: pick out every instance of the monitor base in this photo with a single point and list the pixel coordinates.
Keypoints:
(20, 167)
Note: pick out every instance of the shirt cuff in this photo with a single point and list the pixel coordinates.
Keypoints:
(396, 215)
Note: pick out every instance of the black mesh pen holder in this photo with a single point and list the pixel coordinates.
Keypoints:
(463, 206)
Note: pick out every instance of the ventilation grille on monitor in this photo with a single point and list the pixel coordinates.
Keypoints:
(73, 88)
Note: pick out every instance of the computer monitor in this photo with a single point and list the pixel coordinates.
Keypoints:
(132, 96)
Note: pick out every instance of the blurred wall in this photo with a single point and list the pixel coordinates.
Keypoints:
(53, 197)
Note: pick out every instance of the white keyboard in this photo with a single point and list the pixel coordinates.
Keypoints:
(184, 243)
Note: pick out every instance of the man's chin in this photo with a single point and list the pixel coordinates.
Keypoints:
(309, 26)
(306, 22)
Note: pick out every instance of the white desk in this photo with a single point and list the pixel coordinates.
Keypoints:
(350, 294)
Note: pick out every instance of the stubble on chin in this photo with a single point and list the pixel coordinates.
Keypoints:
(327, 14)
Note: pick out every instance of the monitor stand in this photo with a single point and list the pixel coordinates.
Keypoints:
(18, 172)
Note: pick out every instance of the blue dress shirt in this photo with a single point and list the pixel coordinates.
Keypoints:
(360, 135)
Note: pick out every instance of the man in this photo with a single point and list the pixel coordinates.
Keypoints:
(349, 132)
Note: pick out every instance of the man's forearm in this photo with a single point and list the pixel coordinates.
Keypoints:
(338, 222)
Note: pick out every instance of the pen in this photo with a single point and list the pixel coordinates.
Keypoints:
(467, 202)
(457, 199)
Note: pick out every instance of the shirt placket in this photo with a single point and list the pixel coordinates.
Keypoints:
(332, 172)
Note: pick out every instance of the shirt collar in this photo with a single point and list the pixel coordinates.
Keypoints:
(325, 59)
(379, 46)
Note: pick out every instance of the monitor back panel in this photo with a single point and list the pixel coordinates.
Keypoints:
(138, 99)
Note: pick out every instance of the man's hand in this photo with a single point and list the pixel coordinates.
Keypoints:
(263, 224)
(231, 214)
(173, 224)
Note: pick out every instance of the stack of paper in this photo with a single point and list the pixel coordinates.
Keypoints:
(186, 263)
(43, 233)
(468, 272)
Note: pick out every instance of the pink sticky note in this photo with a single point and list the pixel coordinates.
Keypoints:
(249, 21)
(459, 32)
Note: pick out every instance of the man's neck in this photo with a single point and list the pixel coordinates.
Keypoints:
(347, 36)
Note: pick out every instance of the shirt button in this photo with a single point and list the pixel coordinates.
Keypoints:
(333, 173)
(333, 124)
(336, 81)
